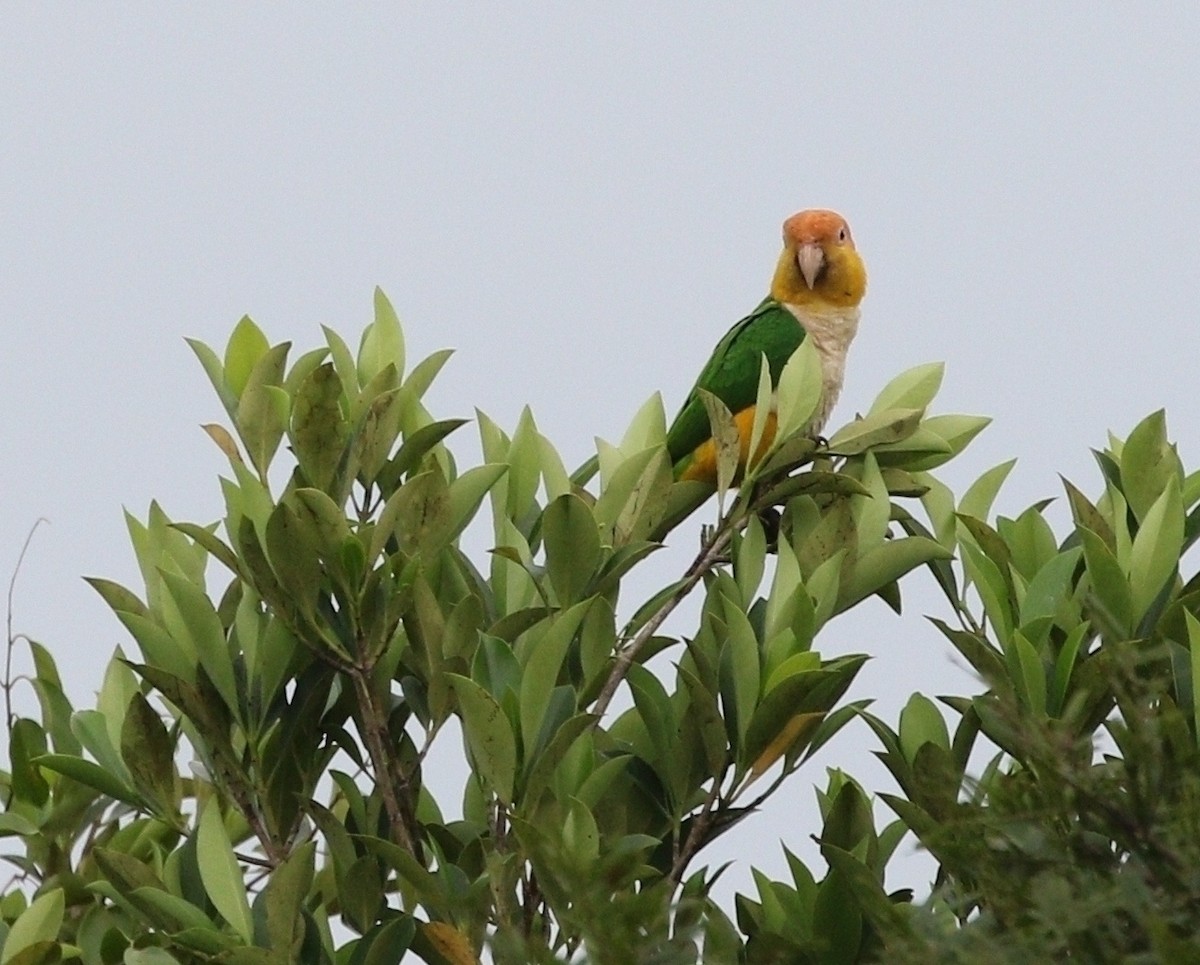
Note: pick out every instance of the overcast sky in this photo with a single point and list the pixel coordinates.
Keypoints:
(580, 199)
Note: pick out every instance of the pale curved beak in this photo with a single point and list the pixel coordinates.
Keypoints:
(810, 259)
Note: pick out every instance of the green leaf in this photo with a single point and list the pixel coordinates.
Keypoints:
(262, 414)
(246, 346)
(921, 723)
(1148, 463)
(295, 556)
(220, 873)
(382, 342)
(315, 508)
(1156, 548)
(343, 361)
(543, 663)
(620, 483)
(654, 708)
(1050, 587)
(740, 670)
(886, 563)
(40, 922)
(799, 390)
(414, 449)
(388, 943)
(56, 708)
(763, 407)
(360, 893)
(524, 467)
(648, 427)
(955, 433)
(792, 709)
(149, 956)
(872, 512)
(1111, 596)
(100, 732)
(1030, 674)
(1088, 516)
(423, 514)
(992, 588)
(647, 503)
(580, 836)
(572, 541)
(148, 753)
(421, 378)
(467, 492)
(978, 499)
(191, 618)
(488, 734)
(913, 389)
(841, 924)
(879, 428)
(319, 429)
(542, 767)
(376, 433)
(164, 904)
(725, 437)
(1064, 667)
(750, 560)
(215, 371)
(1193, 631)
(212, 544)
(1030, 540)
(92, 775)
(555, 479)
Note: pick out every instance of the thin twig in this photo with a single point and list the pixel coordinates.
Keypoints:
(699, 829)
(710, 554)
(393, 784)
(12, 640)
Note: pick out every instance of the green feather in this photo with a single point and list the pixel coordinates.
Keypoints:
(731, 374)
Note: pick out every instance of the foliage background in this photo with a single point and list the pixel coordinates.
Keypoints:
(1021, 187)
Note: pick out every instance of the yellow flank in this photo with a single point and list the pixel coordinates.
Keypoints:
(703, 464)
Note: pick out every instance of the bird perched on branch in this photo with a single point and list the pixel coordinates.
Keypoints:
(818, 284)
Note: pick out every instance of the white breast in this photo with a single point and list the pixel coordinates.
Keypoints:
(831, 330)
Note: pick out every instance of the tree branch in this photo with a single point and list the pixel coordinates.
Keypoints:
(711, 552)
(393, 783)
(697, 833)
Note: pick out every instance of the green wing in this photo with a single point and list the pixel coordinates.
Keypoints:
(731, 374)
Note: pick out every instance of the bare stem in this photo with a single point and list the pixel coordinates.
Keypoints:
(393, 784)
(12, 640)
(697, 833)
(711, 553)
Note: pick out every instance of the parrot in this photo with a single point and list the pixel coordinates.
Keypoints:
(819, 282)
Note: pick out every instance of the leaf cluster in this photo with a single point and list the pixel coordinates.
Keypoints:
(250, 786)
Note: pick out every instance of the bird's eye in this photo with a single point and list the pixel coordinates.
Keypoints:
(841, 234)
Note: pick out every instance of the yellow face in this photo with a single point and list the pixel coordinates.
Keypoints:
(819, 265)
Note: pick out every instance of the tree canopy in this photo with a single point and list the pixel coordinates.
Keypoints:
(249, 786)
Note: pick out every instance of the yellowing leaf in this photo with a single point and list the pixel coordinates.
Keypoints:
(800, 726)
(225, 442)
(449, 942)
(725, 437)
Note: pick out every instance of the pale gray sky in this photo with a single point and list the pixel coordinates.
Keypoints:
(580, 198)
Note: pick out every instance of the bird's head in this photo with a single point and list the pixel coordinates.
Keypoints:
(819, 266)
